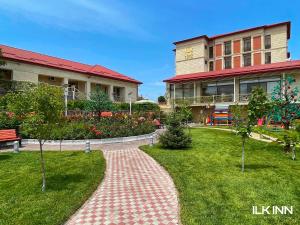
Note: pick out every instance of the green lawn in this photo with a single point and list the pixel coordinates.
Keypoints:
(71, 179)
(213, 190)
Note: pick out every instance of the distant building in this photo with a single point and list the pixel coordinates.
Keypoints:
(225, 68)
(82, 79)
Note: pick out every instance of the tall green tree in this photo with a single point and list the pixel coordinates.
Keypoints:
(99, 101)
(285, 106)
(41, 109)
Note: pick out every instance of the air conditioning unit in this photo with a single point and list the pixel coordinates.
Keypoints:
(52, 78)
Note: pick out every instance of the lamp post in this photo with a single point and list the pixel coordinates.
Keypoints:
(129, 94)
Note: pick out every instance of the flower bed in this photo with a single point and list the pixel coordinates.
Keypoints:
(91, 126)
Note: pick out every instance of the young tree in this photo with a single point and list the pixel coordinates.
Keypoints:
(258, 106)
(45, 107)
(285, 107)
(99, 101)
(243, 128)
(175, 137)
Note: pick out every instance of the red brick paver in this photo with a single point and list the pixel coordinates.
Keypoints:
(135, 190)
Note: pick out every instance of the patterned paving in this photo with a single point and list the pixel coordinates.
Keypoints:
(135, 190)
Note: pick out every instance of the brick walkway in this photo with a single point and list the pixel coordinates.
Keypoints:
(135, 190)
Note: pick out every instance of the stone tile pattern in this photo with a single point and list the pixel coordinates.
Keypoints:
(135, 190)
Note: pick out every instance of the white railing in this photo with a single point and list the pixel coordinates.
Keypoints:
(205, 99)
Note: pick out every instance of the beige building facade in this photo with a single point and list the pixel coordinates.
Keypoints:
(261, 45)
(225, 68)
(118, 87)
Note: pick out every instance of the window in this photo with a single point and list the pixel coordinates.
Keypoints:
(267, 84)
(218, 88)
(211, 52)
(205, 46)
(267, 57)
(267, 41)
(247, 59)
(205, 62)
(211, 66)
(227, 62)
(247, 44)
(227, 48)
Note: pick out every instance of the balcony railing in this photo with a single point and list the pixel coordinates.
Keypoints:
(200, 100)
(205, 99)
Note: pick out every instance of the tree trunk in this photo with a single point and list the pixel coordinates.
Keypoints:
(43, 167)
(60, 145)
(243, 155)
(294, 152)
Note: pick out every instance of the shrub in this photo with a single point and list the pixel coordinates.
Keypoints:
(77, 104)
(99, 101)
(161, 99)
(175, 137)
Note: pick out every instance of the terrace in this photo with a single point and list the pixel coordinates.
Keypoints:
(231, 90)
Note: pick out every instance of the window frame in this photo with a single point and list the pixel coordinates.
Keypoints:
(227, 47)
(226, 60)
(249, 48)
(270, 56)
(211, 53)
(209, 66)
(244, 55)
(267, 37)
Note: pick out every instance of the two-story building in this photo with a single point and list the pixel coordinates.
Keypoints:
(226, 68)
(82, 79)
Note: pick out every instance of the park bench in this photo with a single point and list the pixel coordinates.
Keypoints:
(9, 135)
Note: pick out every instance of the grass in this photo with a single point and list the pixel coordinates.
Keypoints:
(213, 190)
(71, 178)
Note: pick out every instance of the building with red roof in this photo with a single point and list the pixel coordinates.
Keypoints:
(82, 79)
(225, 68)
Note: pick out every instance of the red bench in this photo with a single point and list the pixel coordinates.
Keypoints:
(9, 135)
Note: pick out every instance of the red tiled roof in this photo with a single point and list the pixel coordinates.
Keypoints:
(15, 54)
(288, 23)
(274, 67)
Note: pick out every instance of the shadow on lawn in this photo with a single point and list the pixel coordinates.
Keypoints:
(258, 166)
(4, 157)
(60, 182)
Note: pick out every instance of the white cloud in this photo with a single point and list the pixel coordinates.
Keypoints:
(108, 17)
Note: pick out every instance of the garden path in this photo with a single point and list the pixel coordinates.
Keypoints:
(135, 190)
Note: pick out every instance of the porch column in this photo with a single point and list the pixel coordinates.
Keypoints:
(174, 95)
(88, 89)
(195, 93)
(111, 92)
(66, 81)
(236, 89)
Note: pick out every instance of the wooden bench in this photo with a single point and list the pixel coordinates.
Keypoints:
(9, 136)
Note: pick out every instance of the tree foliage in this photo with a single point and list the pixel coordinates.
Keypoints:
(258, 106)
(99, 101)
(285, 107)
(41, 108)
(175, 137)
(161, 99)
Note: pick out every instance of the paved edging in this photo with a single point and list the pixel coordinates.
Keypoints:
(94, 141)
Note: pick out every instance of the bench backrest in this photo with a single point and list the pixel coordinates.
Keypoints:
(11, 133)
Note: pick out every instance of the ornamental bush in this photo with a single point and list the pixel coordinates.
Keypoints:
(175, 136)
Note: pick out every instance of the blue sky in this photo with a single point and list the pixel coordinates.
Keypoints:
(133, 37)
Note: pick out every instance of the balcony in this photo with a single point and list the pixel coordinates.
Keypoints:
(203, 100)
